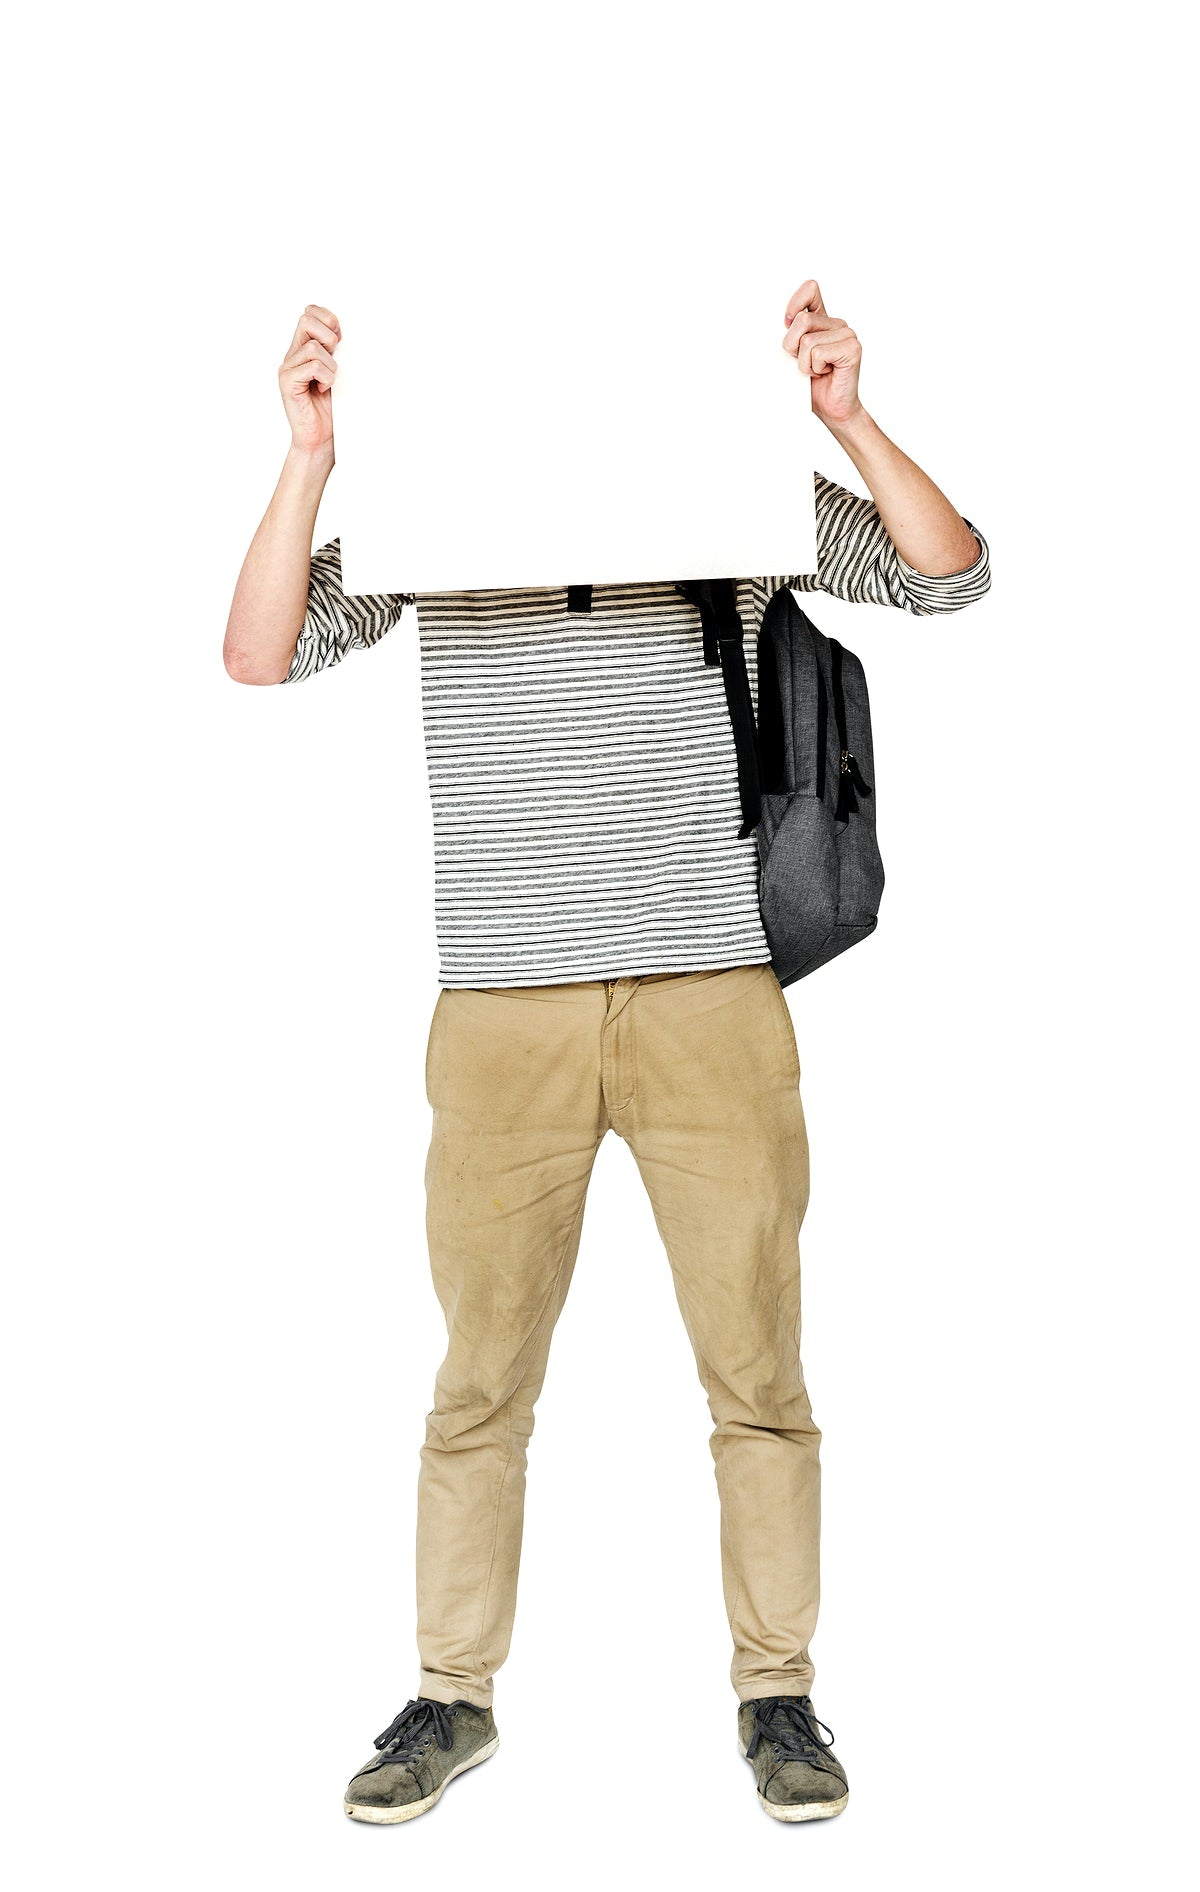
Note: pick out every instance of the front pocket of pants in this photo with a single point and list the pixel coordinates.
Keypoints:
(786, 1020)
(434, 1024)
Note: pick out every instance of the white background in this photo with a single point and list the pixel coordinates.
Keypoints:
(220, 1338)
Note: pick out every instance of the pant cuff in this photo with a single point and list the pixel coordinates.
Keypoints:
(785, 1685)
(437, 1688)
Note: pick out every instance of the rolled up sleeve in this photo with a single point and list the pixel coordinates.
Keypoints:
(928, 594)
(857, 561)
(335, 623)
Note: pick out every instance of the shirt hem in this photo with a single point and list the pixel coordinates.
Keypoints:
(566, 975)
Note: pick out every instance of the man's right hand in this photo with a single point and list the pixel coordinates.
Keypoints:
(306, 380)
(271, 596)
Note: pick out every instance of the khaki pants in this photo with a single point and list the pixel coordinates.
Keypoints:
(699, 1073)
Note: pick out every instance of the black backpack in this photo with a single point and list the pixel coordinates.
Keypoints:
(806, 776)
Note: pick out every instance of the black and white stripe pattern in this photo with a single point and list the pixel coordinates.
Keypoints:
(581, 765)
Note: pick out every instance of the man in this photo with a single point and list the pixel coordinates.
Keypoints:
(603, 966)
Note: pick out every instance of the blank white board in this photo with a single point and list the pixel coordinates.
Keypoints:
(583, 412)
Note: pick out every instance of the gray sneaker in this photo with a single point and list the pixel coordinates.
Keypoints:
(427, 1744)
(799, 1776)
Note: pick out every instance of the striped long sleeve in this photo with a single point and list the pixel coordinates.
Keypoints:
(857, 561)
(335, 623)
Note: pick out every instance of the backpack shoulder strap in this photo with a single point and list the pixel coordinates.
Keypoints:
(793, 700)
(716, 599)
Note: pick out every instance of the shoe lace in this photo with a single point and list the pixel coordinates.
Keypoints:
(409, 1734)
(789, 1724)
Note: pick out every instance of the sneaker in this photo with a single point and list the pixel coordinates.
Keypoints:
(427, 1744)
(799, 1776)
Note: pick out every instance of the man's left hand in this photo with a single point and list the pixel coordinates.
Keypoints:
(828, 351)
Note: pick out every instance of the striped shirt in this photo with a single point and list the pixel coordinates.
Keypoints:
(582, 765)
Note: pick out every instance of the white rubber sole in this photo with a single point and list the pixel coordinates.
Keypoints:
(822, 1810)
(392, 1816)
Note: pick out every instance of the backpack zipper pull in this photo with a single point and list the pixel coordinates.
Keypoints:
(850, 786)
(850, 767)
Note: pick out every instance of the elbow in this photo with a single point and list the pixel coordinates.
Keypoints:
(245, 664)
(940, 594)
(975, 584)
(244, 667)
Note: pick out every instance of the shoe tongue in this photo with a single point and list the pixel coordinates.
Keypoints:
(783, 1704)
(789, 1727)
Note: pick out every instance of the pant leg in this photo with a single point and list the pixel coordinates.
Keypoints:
(513, 1076)
(716, 1124)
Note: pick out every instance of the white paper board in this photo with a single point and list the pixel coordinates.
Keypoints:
(508, 421)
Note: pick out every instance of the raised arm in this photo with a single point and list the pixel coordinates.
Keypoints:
(906, 545)
(290, 617)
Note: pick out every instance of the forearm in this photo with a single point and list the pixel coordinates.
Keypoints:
(922, 524)
(271, 596)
